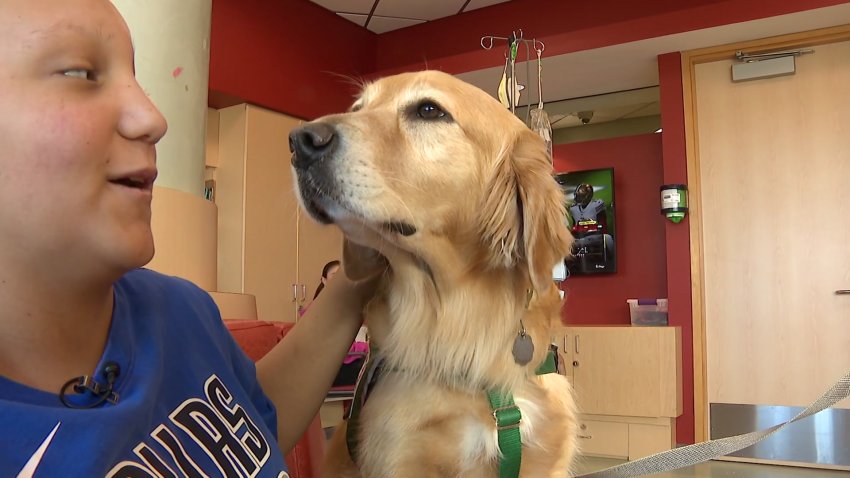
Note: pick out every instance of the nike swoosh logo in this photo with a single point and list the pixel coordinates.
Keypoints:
(32, 464)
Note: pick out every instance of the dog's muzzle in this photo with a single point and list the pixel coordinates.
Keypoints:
(314, 146)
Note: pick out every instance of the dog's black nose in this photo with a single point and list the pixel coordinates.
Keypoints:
(311, 143)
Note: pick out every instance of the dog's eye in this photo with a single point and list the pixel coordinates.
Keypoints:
(430, 111)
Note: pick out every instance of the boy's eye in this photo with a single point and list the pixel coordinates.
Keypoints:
(81, 73)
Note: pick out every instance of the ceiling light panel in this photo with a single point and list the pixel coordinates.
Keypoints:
(347, 6)
(355, 17)
(476, 4)
(380, 24)
(422, 10)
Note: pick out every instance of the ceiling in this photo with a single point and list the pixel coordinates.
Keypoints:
(615, 82)
(382, 16)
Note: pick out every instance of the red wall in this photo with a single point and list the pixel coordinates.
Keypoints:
(290, 56)
(641, 261)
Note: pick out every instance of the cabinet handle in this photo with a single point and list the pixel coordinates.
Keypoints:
(576, 339)
(586, 437)
(294, 293)
(303, 293)
(842, 292)
(566, 346)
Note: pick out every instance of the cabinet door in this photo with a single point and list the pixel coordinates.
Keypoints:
(631, 371)
(271, 215)
(230, 199)
(564, 339)
(318, 244)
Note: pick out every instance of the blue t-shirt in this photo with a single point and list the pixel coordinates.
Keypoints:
(189, 403)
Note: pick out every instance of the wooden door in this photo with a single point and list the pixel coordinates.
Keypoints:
(271, 215)
(606, 372)
(774, 167)
(634, 371)
(318, 244)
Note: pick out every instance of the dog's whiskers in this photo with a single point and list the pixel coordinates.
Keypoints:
(398, 180)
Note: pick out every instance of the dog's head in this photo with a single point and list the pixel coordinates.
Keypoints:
(428, 166)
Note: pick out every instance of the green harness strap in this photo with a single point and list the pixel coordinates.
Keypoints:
(505, 412)
(508, 416)
(549, 365)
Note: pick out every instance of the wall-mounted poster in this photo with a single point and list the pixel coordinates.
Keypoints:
(590, 214)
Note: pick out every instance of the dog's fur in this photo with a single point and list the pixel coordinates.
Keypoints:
(464, 208)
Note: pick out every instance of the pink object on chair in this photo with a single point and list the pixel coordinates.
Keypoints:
(256, 338)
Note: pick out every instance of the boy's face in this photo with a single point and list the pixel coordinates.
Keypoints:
(77, 135)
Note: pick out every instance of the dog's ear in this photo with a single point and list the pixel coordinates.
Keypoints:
(523, 216)
(361, 262)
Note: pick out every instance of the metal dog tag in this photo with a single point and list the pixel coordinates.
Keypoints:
(523, 349)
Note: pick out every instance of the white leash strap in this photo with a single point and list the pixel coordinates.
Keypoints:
(700, 452)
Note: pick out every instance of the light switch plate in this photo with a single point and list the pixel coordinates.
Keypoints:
(559, 273)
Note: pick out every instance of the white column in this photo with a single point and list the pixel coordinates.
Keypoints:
(172, 40)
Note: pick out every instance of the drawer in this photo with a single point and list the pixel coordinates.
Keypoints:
(645, 440)
(603, 438)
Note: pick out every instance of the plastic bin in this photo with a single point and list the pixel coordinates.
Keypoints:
(648, 311)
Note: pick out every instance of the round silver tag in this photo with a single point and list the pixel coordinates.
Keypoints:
(523, 349)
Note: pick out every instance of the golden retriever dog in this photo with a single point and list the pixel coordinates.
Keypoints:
(458, 195)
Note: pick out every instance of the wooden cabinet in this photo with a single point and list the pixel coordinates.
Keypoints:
(628, 385)
(267, 246)
(625, 436)
(627, 370)
(603, 438)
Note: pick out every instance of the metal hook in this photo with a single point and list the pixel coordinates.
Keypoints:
(541, 48)
(516, 36)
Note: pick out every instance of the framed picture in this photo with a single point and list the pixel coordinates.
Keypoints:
(590, 215)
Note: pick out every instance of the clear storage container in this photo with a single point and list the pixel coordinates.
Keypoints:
(648, 311)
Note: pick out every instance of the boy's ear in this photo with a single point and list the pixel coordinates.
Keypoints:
(361, 262)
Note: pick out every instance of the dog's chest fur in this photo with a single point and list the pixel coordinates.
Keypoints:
(453, 431)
